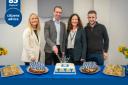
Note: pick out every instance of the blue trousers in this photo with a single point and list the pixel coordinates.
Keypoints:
(96, 57)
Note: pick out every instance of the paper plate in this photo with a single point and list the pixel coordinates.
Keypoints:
(46, 70)
(98, 69)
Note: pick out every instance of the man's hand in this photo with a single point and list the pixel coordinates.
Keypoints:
(55, 50)
(105, 54)
(82, 60)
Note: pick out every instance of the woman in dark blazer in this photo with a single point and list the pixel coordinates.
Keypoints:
(76, 40)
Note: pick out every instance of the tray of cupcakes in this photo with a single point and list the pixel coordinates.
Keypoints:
(37, 68)
(89, 68)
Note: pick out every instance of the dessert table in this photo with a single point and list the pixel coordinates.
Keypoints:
(98, 77)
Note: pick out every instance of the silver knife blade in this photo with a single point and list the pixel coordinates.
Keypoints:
(59, 58)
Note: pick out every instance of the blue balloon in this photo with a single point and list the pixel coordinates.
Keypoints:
(13, 17)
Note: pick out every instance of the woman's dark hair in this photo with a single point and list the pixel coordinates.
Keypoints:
(70, 27)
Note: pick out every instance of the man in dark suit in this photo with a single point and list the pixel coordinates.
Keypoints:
(55, 35)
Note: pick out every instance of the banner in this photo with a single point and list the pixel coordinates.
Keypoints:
(13, 15)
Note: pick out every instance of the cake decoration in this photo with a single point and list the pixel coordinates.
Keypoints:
(89, 67)
(37, 68)
(65, 68)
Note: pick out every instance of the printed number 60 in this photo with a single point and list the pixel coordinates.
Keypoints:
(13, 1)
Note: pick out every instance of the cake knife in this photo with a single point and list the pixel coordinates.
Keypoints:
(59, 58)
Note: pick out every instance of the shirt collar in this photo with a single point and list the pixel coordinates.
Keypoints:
(56, 20)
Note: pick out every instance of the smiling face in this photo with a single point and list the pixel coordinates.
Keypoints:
(74, 21)
(34, 20)
(92, 18)
(57, 13)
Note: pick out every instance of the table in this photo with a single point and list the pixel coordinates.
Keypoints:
(79, 77)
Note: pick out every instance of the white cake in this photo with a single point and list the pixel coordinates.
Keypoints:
(64, 68)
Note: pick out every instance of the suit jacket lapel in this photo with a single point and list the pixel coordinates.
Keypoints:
(76, 36)
(35, 37)
(54, 27)
(38, 37)
(61, 32)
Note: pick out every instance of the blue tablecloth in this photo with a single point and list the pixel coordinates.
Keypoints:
(50, 74)
(100, 76)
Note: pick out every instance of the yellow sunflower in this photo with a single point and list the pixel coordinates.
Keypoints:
(5, 51)
(126, 53)
(120, 49)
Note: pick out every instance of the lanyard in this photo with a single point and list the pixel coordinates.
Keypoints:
(72, 37)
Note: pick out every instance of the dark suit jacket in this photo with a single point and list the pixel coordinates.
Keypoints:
(51, 35)
(80, 45)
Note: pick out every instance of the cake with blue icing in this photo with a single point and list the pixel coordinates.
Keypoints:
(64, 68)
(89, 67)
(37, 67)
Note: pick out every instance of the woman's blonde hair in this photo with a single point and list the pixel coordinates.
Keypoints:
(29, 23)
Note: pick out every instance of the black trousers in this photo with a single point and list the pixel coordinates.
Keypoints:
(51, 58)
(70, 54)
(26, 63)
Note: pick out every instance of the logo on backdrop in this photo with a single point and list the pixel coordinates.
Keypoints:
(13, 15)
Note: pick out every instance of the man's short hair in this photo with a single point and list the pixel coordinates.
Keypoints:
(57, 7)
(92, 12)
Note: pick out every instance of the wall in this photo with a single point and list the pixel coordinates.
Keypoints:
(118, 29)
(81, 7)
(111, 13)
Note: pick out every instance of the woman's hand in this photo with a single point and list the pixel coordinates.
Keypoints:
(33, 59)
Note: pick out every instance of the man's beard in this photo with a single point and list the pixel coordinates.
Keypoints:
(92, 23)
